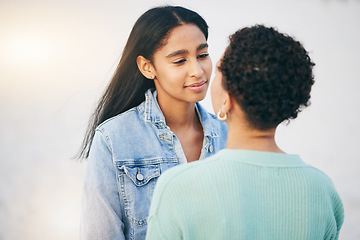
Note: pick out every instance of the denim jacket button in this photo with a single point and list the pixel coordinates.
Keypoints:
(211, 148)
(139, 177)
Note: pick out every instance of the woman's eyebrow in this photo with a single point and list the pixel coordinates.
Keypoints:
(178, 52)
(183, 51)
(202, 46)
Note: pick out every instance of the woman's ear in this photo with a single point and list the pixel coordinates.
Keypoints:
(228, 104)
(146, 67)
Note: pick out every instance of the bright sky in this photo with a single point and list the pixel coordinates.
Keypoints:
(56, 58)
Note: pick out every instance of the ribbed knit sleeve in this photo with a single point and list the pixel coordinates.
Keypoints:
(338, 209)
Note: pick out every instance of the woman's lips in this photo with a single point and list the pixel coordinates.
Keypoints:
(197, 87)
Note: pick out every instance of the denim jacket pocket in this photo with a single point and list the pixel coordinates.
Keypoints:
(137, 183)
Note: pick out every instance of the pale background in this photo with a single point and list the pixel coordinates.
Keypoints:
(56, 58)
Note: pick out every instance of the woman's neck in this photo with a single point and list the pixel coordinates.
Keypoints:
(179, 114)
(243, 137)
(183, 121)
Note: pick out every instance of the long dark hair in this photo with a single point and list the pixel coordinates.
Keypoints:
(128, 86)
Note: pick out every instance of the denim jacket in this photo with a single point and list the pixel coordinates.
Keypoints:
(128, 154)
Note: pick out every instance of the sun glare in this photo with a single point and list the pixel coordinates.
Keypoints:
(28, 49)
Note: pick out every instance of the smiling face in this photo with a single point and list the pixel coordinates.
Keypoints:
(182, 67)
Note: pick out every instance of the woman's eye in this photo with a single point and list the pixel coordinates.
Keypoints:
(203, 55)
(180, 61)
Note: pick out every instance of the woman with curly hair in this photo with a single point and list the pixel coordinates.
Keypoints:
(251, 189)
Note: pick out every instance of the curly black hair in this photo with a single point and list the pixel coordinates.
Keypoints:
(268, 73)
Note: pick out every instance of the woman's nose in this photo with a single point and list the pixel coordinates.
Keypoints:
(196, 69)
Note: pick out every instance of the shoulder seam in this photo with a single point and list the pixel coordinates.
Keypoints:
(117, 116)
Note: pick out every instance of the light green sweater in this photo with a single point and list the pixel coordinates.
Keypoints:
(240, 194)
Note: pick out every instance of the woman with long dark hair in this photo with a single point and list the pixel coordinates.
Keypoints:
(148, 121)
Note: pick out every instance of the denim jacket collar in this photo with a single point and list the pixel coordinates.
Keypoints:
(151, 112)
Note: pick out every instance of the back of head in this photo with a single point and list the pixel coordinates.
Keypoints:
(268, 73)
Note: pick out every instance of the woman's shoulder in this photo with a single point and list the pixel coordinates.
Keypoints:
(122, 120)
